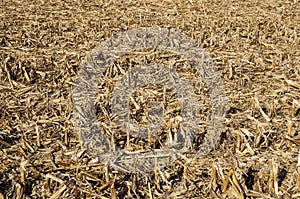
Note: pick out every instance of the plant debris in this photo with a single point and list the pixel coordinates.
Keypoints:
(254, 44)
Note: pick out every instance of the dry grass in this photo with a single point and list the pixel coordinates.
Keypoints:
(254, 44)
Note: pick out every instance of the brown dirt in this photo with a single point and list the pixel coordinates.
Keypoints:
(254, 44)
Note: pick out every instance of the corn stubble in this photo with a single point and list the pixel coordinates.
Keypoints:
(255, 46)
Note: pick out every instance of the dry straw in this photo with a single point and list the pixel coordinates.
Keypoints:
(254, 44)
